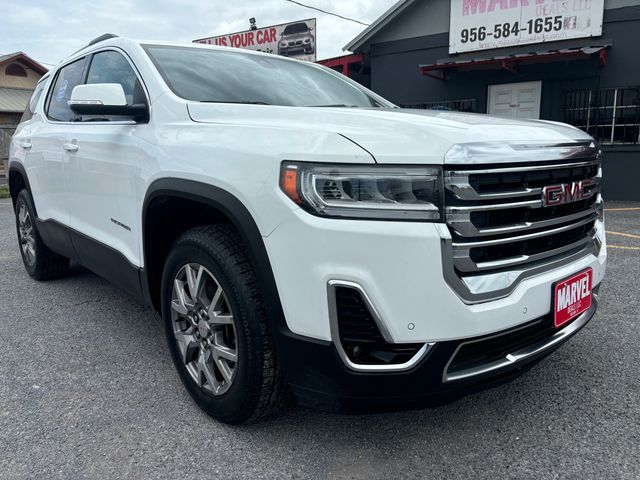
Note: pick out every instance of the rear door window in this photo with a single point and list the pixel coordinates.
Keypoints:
(67, 79)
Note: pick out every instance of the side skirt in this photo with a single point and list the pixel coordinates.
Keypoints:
(101, 259)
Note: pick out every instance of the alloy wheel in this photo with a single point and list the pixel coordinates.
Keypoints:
(25, 229)
(204, 328)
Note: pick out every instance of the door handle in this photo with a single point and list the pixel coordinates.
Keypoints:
(70, 147)
(25, 145)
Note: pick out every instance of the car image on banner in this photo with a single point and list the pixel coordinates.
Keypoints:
(295, 40)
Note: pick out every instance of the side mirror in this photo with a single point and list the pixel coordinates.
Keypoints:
(104, 99)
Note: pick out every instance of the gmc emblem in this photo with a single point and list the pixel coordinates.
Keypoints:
(568, 193)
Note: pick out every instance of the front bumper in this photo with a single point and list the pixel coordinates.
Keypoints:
(304, 48)
(400, 268)
(320, 378)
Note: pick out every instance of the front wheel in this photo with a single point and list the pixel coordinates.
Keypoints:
(216, 327)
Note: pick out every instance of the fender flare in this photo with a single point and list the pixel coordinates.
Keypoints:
(244, 223)
(16, 168)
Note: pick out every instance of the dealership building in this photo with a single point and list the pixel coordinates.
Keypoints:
(574, 61)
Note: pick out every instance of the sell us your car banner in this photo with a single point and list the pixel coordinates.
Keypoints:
(294, 39)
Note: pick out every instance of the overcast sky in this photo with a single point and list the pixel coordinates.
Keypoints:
(50, 30)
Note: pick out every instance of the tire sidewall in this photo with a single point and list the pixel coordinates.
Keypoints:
(238, 401)
(23, 199)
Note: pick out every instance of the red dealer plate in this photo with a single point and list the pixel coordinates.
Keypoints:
(572, 297)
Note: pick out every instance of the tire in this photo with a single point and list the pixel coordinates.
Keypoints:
(198, 327)
(40, 262)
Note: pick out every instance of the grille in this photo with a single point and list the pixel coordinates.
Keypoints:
(497, 219)
(483, 354)
(360, 336)
(492, 349)
(533, 179)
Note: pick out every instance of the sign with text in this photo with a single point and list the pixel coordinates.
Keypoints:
(295, 40)
(485, 24)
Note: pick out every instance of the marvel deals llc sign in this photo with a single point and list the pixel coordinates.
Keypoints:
(486, 24)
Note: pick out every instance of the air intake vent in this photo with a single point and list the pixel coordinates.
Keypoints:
(361, 338)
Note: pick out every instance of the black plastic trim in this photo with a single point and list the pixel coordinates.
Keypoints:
(102, 38)
(107, 262)
(101, 259)
(18, 169)
(321, 379)
(244, 223)
(57, 237)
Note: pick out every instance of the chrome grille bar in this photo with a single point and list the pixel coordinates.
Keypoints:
(457, 181)
(459, 218)
(462, 260)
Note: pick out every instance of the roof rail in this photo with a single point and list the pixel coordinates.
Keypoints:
(102, 38)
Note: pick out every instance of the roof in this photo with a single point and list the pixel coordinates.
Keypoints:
(14, 100)
(376, 26)
(25, 59)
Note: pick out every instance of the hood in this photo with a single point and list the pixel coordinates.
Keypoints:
(394, 136)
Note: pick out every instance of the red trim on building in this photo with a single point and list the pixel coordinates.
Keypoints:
(512, 62)
(345, 62)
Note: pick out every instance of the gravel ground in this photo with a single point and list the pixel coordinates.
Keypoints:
(87, 390)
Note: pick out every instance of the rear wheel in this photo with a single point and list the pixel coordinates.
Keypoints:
(40, 262)
(216, 326)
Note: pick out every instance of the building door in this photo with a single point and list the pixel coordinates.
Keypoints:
(515, 100)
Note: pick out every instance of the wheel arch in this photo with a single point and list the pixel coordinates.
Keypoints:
(229, 208)
(19, 180)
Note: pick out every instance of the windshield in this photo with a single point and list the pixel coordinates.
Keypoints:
(208, 75)
(295, 28)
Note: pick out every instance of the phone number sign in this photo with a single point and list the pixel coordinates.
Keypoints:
(485, 24)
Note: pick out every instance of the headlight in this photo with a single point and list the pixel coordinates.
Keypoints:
(365, 191)
(283, 44)
(307, 40)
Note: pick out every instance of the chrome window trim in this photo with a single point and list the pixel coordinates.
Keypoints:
(335, 332)
(522, 354)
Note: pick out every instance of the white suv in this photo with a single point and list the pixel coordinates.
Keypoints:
(298, 233)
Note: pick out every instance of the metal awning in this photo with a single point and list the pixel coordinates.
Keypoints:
(14, 100)
(512, 61)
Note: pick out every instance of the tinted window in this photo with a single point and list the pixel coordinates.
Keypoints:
(112, 67)
(208, 75)
(33, 103)
(68, 78)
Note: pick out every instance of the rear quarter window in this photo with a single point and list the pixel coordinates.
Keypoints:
(33, 102)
